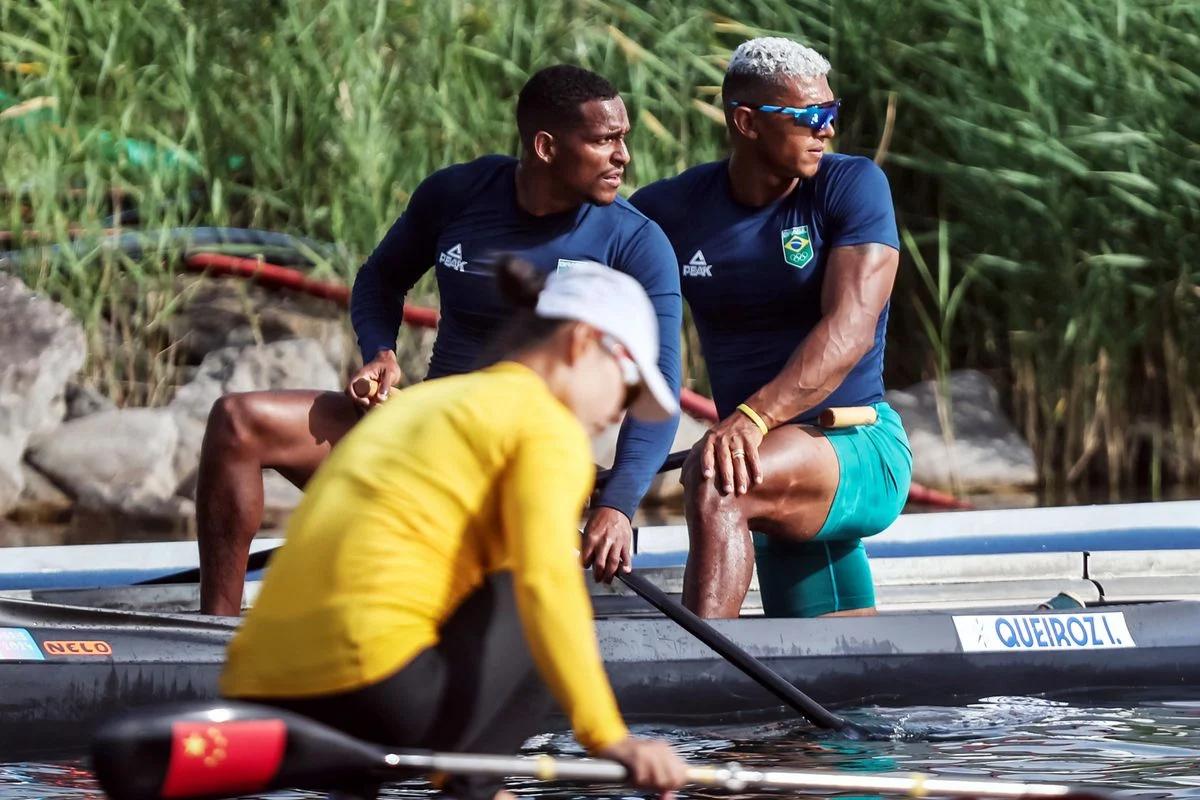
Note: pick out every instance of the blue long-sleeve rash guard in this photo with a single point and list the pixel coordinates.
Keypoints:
(457, 220)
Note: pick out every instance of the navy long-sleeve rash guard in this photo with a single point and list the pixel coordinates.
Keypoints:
(462, 216)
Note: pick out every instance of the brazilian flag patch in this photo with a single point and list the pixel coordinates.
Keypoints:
(797, 246)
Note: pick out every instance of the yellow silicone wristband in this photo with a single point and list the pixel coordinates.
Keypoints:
(754, 417)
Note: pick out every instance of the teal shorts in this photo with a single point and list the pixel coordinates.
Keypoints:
(830, 572)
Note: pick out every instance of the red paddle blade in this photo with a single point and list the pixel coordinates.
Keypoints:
(215, 749)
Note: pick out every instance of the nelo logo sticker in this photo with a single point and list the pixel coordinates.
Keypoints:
(87, 648)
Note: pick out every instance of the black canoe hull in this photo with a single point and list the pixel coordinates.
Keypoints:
(106, 661)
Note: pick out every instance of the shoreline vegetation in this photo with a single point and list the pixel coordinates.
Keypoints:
(1044, 159)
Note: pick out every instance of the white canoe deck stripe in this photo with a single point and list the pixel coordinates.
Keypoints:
(101, 557)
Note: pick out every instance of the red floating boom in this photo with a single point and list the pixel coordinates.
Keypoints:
(277, 277)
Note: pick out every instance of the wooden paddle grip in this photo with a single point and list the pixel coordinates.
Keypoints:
(847, 417)
(365, 387)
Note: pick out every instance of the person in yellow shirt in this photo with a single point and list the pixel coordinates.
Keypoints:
(431, 574)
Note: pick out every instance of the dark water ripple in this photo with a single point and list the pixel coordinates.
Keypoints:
(1144, 750)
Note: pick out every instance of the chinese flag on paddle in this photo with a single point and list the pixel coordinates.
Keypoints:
(222, 749)
(223, 757)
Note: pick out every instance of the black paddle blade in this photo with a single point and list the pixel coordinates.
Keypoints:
(222, 749)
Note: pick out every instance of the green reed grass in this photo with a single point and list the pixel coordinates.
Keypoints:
(1056, 142)
(1056, 139)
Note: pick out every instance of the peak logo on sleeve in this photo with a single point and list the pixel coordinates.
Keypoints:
(697, 267)
(453, 258)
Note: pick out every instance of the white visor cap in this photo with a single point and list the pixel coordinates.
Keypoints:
(616, 304)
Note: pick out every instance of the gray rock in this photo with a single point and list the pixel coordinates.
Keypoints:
(41, 500)
(414, 348)
(234, 313)
(24, 533)
(12, 482)
(41, 348)
(983, 450)
(83, 401)
(289, 364)
(135, 520)
(121, 459)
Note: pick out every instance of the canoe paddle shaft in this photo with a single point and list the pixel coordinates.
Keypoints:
(731, 777)
(766, 677)
(214, 749)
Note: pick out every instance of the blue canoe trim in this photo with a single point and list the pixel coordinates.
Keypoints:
(1001, 544)
(1085, 541)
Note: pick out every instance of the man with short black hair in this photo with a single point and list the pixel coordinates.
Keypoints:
(556, 206)
(788, 256)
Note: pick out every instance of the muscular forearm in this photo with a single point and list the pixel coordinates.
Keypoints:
(819, 365)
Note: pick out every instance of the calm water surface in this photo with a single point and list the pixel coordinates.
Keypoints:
(1140, 748)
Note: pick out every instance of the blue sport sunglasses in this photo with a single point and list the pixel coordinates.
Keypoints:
(816, 117)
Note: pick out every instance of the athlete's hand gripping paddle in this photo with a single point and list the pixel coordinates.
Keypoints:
(381, 372)
(365, 388)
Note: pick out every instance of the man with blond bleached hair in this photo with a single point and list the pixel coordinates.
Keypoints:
(787, 255)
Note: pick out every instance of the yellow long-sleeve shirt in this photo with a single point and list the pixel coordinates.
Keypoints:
(449, 481)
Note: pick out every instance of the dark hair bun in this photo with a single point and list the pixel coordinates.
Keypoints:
(520, 282)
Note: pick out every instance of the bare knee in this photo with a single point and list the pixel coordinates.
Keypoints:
(701, 495)
(231, 423)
